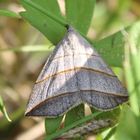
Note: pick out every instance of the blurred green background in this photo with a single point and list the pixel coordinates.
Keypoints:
(20, 66)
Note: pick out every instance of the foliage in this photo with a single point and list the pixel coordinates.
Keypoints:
(45, 15)
(129, 122)
(74, 17)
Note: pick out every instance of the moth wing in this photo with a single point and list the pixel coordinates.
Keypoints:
(99, 87)
(74, 73)
(55, 91)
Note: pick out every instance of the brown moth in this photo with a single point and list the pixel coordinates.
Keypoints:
(74, 74)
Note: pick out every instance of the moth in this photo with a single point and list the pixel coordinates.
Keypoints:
(74, 74)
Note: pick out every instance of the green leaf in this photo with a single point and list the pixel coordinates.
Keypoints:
(129, 122)
(129, 126)
(111, 114)
(52, 124)
(49, 5)
(130, 82)
(132, 65)
(110, 133)
(75, 114)
(40, 16)
(3, 110)
(79, 13)
(9, 13)
(111, 49)
(79, 122)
